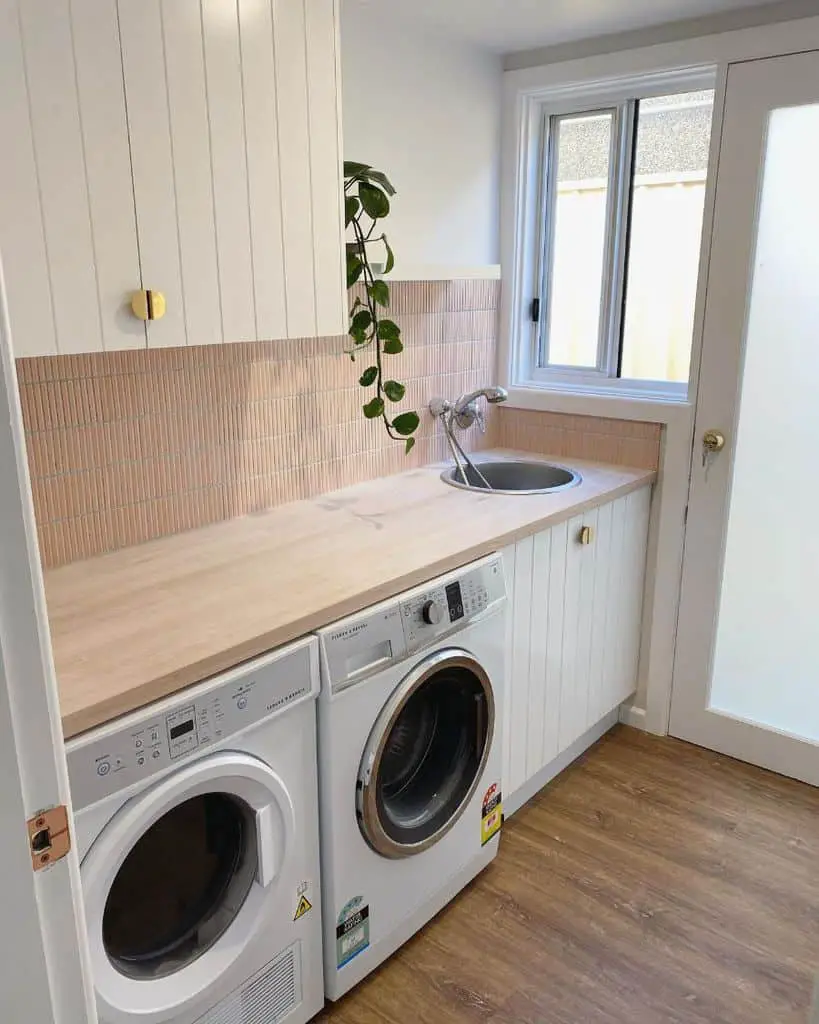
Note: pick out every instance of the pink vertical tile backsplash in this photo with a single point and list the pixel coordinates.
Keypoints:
(125, 447)
(128, 446)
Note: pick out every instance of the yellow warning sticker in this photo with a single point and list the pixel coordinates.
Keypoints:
(303, 904)
(491, 813)
(304, 907)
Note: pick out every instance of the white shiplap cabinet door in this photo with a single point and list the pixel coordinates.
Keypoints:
(234, 119)
(573, 633)
(67, 226)
(187, 146)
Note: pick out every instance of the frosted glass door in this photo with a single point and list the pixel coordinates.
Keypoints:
(766, 663)
(747, 671)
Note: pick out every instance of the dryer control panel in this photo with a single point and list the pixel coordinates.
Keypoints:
(130, 749)
(356, 647)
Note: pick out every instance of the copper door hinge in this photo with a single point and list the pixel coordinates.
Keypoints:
(48, 837)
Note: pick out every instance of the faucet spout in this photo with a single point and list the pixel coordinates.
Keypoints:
(493, 395)
(466, 412)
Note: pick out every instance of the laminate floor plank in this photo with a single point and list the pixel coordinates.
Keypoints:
(653, 882)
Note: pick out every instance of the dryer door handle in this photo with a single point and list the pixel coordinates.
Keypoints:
(267, 866)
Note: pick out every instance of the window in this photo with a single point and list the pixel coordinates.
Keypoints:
(622, 188)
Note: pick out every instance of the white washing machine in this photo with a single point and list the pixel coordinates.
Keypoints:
(196, 820)
(409, 762)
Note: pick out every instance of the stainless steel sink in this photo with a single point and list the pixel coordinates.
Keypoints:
(509, 476)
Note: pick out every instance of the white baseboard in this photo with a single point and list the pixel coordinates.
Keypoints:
(633, 716)
(516, 800)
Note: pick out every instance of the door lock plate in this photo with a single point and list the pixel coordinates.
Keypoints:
(49, 839)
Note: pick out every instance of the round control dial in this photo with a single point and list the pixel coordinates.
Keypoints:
(432, 613)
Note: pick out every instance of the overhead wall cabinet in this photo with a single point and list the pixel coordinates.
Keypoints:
(188, 147)
(573, 640)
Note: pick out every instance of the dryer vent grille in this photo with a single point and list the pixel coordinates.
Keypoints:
(266, 998)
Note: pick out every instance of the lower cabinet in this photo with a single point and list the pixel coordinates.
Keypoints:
(573, 635)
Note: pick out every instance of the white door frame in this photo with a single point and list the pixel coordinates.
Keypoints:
(733, 245)
(45, 973)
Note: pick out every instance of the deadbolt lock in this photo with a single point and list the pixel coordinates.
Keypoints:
(713, 440)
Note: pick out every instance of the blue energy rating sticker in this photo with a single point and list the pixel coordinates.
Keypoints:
(491, 813)
(352, 931)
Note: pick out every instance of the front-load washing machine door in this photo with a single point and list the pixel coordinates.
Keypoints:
(425, 754)
(175, 885)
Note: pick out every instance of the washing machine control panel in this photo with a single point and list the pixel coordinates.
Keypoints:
(126, 751)
(356, 647)
(428, 614)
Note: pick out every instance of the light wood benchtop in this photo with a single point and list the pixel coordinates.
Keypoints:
(136, 625)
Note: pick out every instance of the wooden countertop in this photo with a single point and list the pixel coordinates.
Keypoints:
(136, 625)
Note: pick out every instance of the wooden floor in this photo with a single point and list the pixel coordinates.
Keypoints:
(652, 882)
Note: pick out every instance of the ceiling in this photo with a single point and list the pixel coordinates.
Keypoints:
(508, 25)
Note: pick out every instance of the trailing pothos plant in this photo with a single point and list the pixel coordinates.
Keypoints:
(367, 195)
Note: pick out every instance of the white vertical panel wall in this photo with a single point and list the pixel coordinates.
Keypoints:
(573, 636)
(264, 184)
(294, 168)
(152, 157)
(324, 110)
(22, 238)
(189, 129)
(98, 61)
(223, 72)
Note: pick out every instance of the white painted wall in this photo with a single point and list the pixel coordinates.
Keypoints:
(427, 112)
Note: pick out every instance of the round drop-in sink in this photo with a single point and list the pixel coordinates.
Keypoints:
(509, 476)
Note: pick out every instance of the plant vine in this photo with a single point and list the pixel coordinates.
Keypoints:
(367, 195)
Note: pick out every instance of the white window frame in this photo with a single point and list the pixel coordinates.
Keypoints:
(534, 228)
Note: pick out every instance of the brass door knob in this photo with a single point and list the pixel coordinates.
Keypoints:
(713, 440)
(148, 304)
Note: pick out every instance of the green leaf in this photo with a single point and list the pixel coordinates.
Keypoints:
(355, 268)
(358, 335)
(381, 179)
(374, 200)
(390, 255)
(368, 377)
(374, 408)
(351, 168)
(409, 445)
(388, 330)
(380, 293)
(392, 347)
(351, 207)
(406, 424)
(394, 391)
(362, 320)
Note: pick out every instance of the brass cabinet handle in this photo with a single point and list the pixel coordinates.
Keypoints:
(586, 535)
(148, 304)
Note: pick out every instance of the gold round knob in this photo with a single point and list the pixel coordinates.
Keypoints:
(713, 440)
(148, 304)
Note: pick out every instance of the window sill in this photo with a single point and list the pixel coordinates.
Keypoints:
(619, 404)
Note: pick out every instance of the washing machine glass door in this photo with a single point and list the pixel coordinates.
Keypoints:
(174, 886)
(425, 754)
